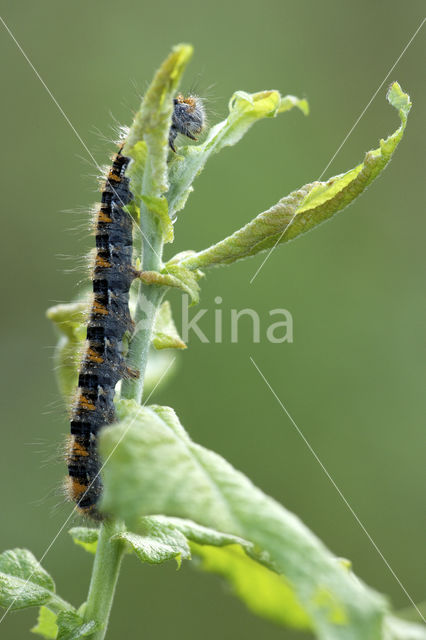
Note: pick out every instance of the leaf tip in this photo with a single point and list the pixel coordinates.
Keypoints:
(184, 48)
(182, 54)
(398, 99)
(46, 624)
(303, 105)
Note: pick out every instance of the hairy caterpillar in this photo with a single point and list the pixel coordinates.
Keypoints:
(103, 363)
(188, 118)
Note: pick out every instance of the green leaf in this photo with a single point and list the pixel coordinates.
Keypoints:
(69, 320)
(166, 335)
(156, 468)
(23, 581)
(288, 102)
(244, 110)
(86, 538)
(156, 542)
(46, 624)
(136, 170)
(204, 535)
(72, 626)
(174, 275)
(147, 141)
(265, 593)
(248, 570)
(307, 207)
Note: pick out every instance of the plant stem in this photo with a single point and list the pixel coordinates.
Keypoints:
(104, 577)
(58, 604)
(148, 300)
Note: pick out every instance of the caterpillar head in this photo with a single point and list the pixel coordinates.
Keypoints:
(189, 118)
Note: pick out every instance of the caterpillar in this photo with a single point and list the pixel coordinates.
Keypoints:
(103, 364)
(188, 118)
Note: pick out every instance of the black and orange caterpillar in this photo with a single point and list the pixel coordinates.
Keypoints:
(102, 364)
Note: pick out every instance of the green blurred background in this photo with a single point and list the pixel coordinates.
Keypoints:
(354, 377)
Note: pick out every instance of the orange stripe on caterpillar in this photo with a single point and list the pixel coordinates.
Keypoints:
(103, 217)
(101, 262)
(99, 308)
(75, 488)
(93, 356)
(76, 491)
(85, 403)
(76, 449)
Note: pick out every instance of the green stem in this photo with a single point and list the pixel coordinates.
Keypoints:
(58, 604)
(149, 299)
(104, 577)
